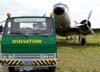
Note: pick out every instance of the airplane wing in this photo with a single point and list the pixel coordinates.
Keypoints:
(76, 31)
(96, 30)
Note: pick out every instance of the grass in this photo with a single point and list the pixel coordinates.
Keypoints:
(72, 57)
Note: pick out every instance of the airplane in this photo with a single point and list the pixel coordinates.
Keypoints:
(63, 24)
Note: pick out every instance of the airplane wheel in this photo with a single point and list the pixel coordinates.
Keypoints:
(83, 41)
(52, 69)
(12, 69)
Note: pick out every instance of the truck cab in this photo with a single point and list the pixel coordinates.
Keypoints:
(28, 41)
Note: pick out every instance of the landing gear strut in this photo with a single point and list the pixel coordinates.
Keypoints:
(83, 41)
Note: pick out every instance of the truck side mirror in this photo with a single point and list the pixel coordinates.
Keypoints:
(1, 28)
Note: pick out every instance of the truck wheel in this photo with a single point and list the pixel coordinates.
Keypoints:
(52, 69)
(12, 69)
(28, 71)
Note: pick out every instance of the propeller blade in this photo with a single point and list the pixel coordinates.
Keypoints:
(89, 16)
(91, 30)
(79, 25)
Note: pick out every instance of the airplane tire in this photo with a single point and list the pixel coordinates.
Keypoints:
(83, 41)
(52, 69)
(12, 69)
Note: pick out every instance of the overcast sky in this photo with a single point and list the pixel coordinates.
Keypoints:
(79, 9)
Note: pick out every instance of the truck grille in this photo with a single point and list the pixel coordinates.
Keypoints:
(27, 56)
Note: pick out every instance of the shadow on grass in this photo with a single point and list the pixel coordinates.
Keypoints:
(64, 43)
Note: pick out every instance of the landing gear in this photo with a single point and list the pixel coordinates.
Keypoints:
(52, 69)
(83, 41)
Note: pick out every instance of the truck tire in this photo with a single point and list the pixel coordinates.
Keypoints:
(52, 69)
(12, 69)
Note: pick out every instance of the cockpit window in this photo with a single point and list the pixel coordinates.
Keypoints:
(29, 26)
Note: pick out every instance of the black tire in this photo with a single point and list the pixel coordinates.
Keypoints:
(28, 71)
(12, 69)
(83, 41)
(52, 69)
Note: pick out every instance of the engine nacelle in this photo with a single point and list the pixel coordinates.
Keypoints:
(83, 28)
(59, 10)
(62, 19)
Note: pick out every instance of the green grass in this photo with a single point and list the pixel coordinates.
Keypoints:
(72, 57)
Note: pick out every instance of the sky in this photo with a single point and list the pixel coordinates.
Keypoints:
(79, 9)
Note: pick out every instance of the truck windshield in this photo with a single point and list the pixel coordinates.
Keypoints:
(29, 26)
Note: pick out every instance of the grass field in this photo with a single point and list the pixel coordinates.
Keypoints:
(72, 57)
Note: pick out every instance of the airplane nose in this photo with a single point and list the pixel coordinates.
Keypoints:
(58, 11)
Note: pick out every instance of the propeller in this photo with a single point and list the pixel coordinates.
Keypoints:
(89, 16)
(91, 30)
(78, 24)
(86, 23)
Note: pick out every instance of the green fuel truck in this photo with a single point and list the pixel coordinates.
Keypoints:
(28, 43)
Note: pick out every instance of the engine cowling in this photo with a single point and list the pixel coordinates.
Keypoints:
(83, 28)
(59, 10)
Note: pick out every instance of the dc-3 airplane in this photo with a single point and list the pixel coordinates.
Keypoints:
(63, 24)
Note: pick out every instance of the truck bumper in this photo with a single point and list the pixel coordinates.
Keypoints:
(35, 59)
(34, 63)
